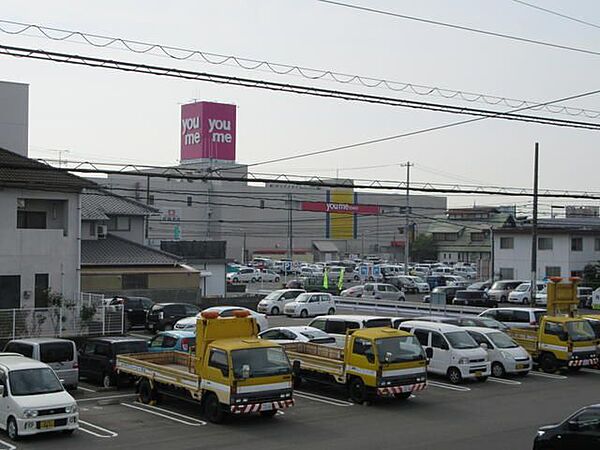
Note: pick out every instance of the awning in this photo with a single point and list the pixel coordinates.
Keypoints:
(326, 246)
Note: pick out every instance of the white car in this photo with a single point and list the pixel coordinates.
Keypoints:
(382, 291)
(516, 317)
(466, 272)
(32, 398)
(268, 276)
(422, 286)
(244, 275)
(189, 323)
(285, 335)
(504, 353)
(522, 293)
(274, 303)
(310, 304)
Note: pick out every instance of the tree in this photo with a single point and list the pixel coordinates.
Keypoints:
(591, 275)
(423, 248)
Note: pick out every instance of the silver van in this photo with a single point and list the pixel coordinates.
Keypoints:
(59, 354)
(500, 290)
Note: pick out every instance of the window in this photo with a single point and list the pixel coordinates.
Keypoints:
(438, 341)
(553, 271)
(151, 199)
(52, 352)
(157, 341)
(507, 273)
(588, 420)
(576, 244)
(422, 336)
(445, 236)
(41, 290)
(319, 324)
(479, 338)
(545, 243)
(10, 291)
(92, 228)
(521, 317)
(189, 200)
(31, 219)
(169, 341)
(597, 244)
(577, 273)
(20, 348)
(134, 281)
(478, 237)
(553, 328)
(335, 327)
(102, 349)
(119, 223)
(89, 348)
(218, 360)
(507, 242)
(362, 347)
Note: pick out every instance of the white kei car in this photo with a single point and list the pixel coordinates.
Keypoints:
(310, 304)
(285, 335)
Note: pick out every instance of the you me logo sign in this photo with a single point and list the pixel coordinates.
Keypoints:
(208, 131)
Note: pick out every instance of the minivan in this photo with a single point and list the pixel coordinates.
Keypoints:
(451, 351)
(59, 354)
(516, 317)
(500, 290)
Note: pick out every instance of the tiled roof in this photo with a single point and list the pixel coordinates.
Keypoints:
(99, 204)
(116, 251)
(19, 171)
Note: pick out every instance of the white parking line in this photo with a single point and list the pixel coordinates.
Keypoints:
(322, 399)
(191, 421)
(504, 381)
(109, 433)
(7, 446)
(84, 389)
(548, 375)
(108, 397)
(450, 387)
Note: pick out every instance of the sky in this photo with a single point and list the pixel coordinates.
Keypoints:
(105, 115)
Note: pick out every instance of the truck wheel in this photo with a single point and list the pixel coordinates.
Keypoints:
(498, 370)
(454, 375)
(304, 314)
(331, 311)
(12, 430)
(275, 311)
(357, 390)
(268, 414)
(549, 363)
(212, 409)
(147, 395)
(107, 380)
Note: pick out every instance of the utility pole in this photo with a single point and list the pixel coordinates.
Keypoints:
(408, 165)
(244, 250)
(146, 222)
(534, 230)
(290, 228)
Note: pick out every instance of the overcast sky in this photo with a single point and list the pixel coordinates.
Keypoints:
(111, 116)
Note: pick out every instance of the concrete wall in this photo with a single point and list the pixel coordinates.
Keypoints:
(27, 252)
(14, 117)
(136, 232)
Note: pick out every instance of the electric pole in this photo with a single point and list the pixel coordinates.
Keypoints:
(408, 165)
(534, 231)
(290, 228)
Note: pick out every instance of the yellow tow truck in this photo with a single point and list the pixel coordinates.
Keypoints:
(231, 371)
(594, 320)
(563, 339)
(374, 362)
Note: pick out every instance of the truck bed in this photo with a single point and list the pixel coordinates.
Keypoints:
(528, 339)
(174, 368)
(317, 357)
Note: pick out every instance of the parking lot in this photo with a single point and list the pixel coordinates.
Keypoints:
(498, 414)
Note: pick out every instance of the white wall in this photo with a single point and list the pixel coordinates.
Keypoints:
(14, 117)
(26, 252)
(215, 285)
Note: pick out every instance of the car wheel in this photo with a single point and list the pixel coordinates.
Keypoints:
(253, 280)
(275, 311)
(212, 409)
(107, 381)
(548, 363)
(12, 430)
(277, 279)
(454, 375)
(304, 314)
(503, 299)
(331, 312)
(357, 390)
(525, 301)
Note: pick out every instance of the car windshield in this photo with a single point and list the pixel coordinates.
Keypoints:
(498, 286)
(263, 362)
(130, 347)
(490, 323)
(580, 330)
(302, 298)
(314, 334)
(522, 287)
(273, 295)
(33, 382)
(461, 340)
(399, 349)
(501, 340)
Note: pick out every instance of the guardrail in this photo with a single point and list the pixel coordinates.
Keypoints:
(387, 306)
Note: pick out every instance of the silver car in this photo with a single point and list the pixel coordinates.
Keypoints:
(382, 291)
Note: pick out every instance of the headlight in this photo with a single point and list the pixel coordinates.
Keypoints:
(71, 409)
(30, 413)
(463, 361)
(541, 433)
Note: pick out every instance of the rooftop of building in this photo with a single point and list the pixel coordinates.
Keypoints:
(98, 204)
(116, 251)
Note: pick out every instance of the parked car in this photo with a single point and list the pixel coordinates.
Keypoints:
(189, 323)
(522, 293)
(97, 357)
(59, 354)
(310, 304)
(284, 335)
(136, 309)
(383, 291)
(505, 355)
(500, 290)
(578, 431)
(274, 303)
(421, 286)
(473, 298)
(467, 272)
(449, 291)
(516, 317)
(465, 321)
(32, 399)
(268, 276)
(164, 316)
(339, 324)
(354, 291)
(480, 286)
(452, 351)
(244, 275)
(175, 340)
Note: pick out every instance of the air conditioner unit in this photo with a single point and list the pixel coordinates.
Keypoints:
(101, 231)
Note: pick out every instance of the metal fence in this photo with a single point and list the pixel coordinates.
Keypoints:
(83, 319)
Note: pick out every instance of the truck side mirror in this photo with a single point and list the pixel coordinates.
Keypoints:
(388, 357)
(245, 371)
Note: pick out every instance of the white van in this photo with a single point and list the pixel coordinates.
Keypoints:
(516, 317)
(310, 304)
(60, 354)
(32, 398)
(522, 293)
(451, 351)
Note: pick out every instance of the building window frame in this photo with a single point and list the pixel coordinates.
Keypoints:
(507, 243)
(576, 244)
(119, 223)
(548, 243)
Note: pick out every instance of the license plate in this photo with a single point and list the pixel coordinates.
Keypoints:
(45, 424)
(521, 366)
(478, 374)
(266, 407)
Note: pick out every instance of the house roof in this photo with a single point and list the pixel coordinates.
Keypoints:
(20, 171)
(98, 204)
(326, 246)
(578, 225)
(116, 251)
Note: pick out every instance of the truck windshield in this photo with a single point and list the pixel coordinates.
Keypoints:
(401, 349)
(595, 324)
(263, 362)
(461, 340)
(501, 340)
(33, 382)
(580, 330)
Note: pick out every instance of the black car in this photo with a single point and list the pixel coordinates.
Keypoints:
(450, 292)
(162, 316)
(473, 298)
(98, 356)
(136, 309)
(580, 431)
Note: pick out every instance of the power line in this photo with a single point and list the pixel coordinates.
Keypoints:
(462, 28)
(556, 13)
(310, 73)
